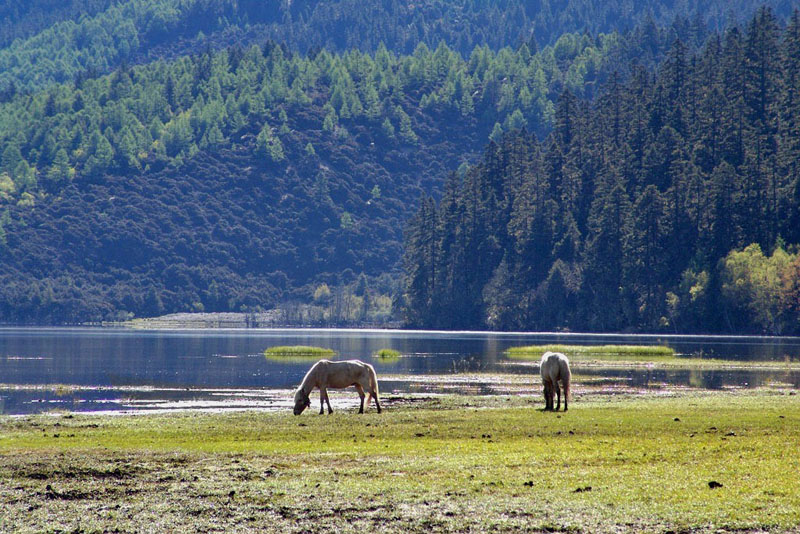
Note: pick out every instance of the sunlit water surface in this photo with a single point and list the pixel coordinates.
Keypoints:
(121, 370)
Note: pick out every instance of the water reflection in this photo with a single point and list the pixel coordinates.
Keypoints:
(697, 378)
(107, 369)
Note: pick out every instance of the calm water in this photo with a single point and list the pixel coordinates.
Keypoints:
(43, 369)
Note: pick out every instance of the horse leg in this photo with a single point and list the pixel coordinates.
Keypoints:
(323, 398)
(373, 395)
(361, 396)
(558, 393)
(548, 395)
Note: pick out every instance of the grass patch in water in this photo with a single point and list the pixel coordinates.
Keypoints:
(454, 463)
(387, 355)
(298, 352)
(63, 390)
(536, 351)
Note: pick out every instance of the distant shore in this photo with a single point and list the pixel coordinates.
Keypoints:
(267, 319)
(205, 320)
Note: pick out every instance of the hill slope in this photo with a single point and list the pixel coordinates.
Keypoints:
(227, 230)
(234, 180)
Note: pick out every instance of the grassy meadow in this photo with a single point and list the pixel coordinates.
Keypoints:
(440, 464)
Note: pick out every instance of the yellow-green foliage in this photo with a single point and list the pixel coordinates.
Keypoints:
(765, 286)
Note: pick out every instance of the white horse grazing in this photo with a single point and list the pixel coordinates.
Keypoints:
(555, 367)
(327, 374)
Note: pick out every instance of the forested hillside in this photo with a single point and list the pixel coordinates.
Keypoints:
(175, 155)
(57, 41)
(335, 149)
(669, 203)
(20, 19)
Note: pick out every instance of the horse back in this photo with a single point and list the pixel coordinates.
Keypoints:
(344, 373)
(555, 367)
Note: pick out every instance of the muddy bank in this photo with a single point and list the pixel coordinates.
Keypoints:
(396, 389)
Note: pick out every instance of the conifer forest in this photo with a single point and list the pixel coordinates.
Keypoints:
(553, 165)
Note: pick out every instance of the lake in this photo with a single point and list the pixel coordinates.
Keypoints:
(114, 370)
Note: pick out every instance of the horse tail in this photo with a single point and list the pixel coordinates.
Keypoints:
(373, 380)
(566, 377)
(373, 385)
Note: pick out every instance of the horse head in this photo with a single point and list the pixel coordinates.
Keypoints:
(301, 401)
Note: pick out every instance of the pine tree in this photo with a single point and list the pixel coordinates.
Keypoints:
(270, 145)
(420, 261)
(604, 257)
(647, 266)
(674, 80)
(762, 71)
(788, 157)
(733, 119)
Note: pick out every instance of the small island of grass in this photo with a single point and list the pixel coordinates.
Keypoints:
(298, 351)
(387, 355)
(536, 351)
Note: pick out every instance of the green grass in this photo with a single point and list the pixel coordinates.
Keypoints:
(536, 351)
(447, 464)
(387, 355)
(298, 352)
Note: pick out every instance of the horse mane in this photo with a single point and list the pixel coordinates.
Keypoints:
(310, 376)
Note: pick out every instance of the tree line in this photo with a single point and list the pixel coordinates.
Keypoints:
(670, 203)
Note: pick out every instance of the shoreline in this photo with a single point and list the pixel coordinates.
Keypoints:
(485, 387)
(238, 321)
(226, 320)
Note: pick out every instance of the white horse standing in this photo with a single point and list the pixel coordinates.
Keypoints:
(327, 374)
(554, 367)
